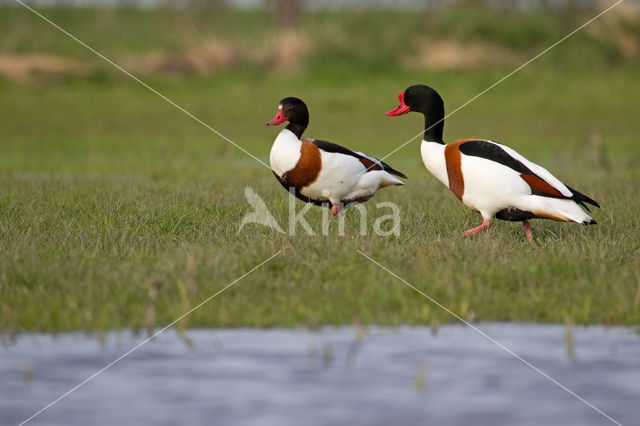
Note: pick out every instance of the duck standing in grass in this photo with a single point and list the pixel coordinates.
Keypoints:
(488, 177)
(321, 172)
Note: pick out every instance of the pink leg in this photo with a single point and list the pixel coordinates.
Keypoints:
(485, 224)
(526, 226)
(336, 208)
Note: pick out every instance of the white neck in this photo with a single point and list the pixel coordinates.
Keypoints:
(434, 161)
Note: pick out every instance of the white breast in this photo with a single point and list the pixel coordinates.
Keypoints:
(434, 161)
(285, 152)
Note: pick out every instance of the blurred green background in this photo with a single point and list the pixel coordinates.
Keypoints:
(118, 210)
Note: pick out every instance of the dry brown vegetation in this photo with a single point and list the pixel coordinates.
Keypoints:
(283, 52)
(454, 55)
(620, 30)
(199, 49)
(27, 67)
(202, 59)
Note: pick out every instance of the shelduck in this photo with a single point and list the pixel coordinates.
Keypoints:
(320, 172)
(488, 177)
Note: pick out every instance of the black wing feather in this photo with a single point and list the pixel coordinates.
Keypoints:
(581, 199)
(493, 152)
(334, 147)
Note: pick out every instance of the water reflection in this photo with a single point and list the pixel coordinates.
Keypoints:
(374, 376)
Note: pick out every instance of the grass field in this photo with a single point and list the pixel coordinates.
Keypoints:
(118, 210)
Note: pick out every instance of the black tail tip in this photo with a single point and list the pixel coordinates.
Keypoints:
(590, 222)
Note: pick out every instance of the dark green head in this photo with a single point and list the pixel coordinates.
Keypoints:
(425, 100)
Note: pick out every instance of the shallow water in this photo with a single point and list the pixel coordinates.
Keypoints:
(341, 376)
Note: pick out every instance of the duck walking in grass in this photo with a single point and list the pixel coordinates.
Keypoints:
(488, 177)
(321, 172)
